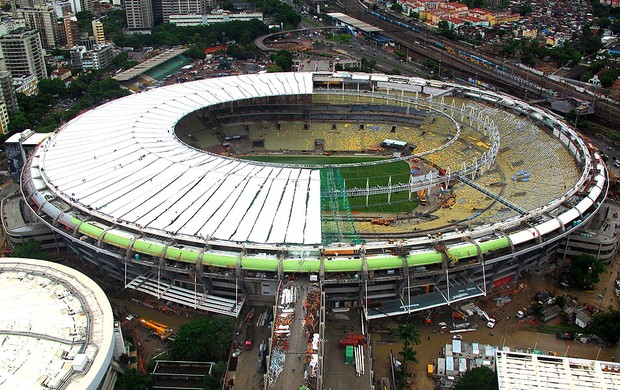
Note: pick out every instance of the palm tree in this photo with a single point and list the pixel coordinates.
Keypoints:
(408, 334)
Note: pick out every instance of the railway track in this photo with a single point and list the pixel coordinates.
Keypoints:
(605, 111)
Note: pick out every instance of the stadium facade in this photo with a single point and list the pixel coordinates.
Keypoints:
(122, 190)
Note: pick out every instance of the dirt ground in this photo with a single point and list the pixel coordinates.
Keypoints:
(508, 332)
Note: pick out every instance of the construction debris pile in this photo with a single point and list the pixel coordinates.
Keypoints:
(312, 307)
(285, 315)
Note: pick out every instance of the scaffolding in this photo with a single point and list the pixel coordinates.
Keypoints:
(336, 219)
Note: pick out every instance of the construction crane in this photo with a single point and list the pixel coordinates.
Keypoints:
(160, 329)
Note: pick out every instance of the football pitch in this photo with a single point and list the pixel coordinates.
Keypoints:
(360, 177)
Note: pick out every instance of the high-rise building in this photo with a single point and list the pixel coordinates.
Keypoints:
(139, 14)
(4, 118)
(98, 32)
(72, 30)
(99, 57)
(7, 92)
(23, 53)
(183, 7)
(62, 7)
(158, 17)
(44, 20)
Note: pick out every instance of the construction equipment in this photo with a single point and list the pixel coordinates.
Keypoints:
(249, 337)
(423, 198)
(160, 329)
(383, 221)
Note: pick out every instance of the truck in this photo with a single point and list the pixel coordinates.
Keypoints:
(490, 320)
(249, 337)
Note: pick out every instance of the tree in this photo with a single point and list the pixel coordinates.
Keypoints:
(586, 270)
(84, 19)
(284, 59)
(606, 324)
(213, 381)
(31, 249)
(560, 300)
(396, 7)
(205, 339)
(409, 335)
(479, 378)
(132, 380)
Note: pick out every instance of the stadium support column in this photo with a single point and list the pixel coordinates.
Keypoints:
(410, 183)
(367, 190)
(390, 190)
(364, 262)
(239, 260)
(127, 256)
(448, 285)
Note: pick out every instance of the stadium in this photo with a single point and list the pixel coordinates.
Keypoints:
(399, 194)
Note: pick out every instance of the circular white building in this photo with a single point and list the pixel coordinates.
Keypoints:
(56, 327)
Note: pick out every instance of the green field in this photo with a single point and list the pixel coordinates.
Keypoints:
(378, 203)
(355, 177)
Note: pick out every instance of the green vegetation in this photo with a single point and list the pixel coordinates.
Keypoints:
(196, 36)
(31, 249)
(606, 324)
(342, 38)
(132, 380)
(84, 19)
(283, 60)
(280, 12)
(355, 177)
(203, 340)
(379, 175)
(479, 378)
(586, 271)
(553, 329)
(400, 203)
(114, 22)
(39, 112)
(409, 335)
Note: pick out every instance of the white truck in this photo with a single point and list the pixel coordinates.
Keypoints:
(490, 321)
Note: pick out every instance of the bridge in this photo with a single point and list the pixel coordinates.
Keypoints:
(492, 195)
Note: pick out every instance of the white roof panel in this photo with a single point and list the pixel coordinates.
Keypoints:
(123, 161)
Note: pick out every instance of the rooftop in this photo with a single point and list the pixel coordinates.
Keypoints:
(530, 371)
(56, 327)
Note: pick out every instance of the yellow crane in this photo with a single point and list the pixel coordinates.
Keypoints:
(160, 329)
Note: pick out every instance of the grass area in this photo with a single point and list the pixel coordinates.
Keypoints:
(379, 175)
(355, 177)
(378, 203)
(552, 329)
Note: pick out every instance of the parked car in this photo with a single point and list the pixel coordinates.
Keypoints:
(565, 335)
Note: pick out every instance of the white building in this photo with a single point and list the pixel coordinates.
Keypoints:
(524, 371)
(99, 57)
(57, 327)
(213, 18)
